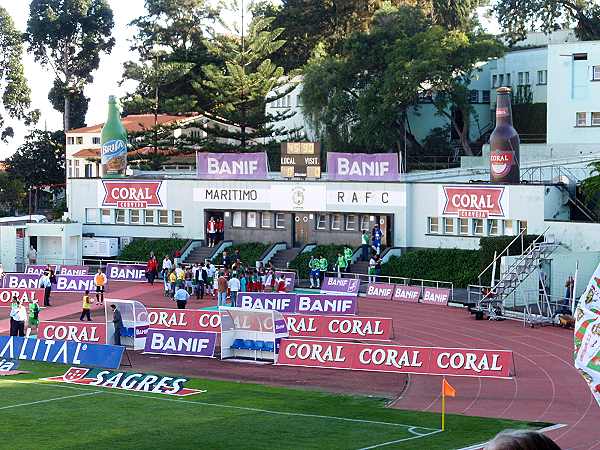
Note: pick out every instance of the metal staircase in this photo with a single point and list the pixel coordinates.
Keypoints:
(492, 302)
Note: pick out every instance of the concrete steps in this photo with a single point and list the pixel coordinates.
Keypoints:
(199, 255)
(282, 258)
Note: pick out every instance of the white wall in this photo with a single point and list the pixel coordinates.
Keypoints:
(8, 248)
(571, 90)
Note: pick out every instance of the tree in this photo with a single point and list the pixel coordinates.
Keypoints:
(517, 17)
(78, 104)
(13, 85)
(40, 161)
(170, 41)
(69, 36)
(239, 91)
(12, 194)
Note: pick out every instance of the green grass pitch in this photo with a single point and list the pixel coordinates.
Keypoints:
(44, 415)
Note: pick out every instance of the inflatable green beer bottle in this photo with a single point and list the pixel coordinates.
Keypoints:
(113, 143)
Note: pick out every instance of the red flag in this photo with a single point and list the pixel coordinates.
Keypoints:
(447, 389)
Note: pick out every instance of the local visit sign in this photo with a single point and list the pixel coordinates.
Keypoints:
(139, 194)
(474, 201)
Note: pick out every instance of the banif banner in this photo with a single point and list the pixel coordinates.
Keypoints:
(362, 166)
(233, 166)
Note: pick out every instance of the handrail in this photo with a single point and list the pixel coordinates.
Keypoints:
(520, 235)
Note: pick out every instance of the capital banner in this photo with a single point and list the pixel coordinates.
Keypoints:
(184, 319)
(61, 352)
(74, 283)
(24, 295)
(94, 333)
(238, 166)
(380, 291)
(404, 293)
(138, 194)
(347, 286)
(396, 358)
(362, 166)
(126, 272)
(339, 327)
(181, 343)
(474, 201)
(73, 270)
(436, 296)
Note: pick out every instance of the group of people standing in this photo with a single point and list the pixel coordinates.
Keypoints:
(215, 231)
(375, 238)
(19, 315)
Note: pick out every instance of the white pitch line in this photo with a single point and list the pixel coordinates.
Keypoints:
(397, 441)
(50, 400)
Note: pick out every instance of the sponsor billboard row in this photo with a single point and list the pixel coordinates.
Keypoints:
(64, 283)
(300, 303)
(396, 358)
(408, 293)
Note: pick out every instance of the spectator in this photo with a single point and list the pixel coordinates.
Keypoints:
(226, 260)
(18, 314)
(323, 266)
(32, 255)
(100, 282)
(222, 289)
(211, 232)
(86, 306)
(372, 265)
(167, 265)
(313, 267)
(177, 257)
(34, 313)
(365, 245)
(234, 287)
(14, 305)
(167, 284)
(244, 282)
(117, 324)
(172, 283)
(377, 236)
(46, 284)
(341, 264)
(521, 440)
(151, 269)
(348, 253)
(179, 272)
(181, 297)
(220, 229)
(569, 294)
(189, 276)
(211, 272)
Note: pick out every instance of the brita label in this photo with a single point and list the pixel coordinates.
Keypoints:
(112, 149)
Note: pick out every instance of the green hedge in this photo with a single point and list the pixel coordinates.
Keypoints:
(249, 252)
(300, 263)
(460, 267)
(489, 245)
(139, 249)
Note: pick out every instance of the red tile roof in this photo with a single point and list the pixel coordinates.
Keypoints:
(135, 122)
(87, 153)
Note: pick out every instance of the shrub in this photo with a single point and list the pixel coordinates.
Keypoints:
(460, 267)
(139, 249)
(249, 252)
(300, 262)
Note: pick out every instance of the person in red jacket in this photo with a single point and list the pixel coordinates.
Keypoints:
(220, 229)
(211, 231)
(152, 269)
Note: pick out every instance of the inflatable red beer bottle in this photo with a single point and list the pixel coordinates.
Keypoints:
(113, 142)
(504, 143)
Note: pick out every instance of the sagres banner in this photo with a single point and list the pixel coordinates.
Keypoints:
(129, 381)
(587, 335)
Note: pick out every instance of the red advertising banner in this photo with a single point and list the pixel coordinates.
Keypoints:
(404, 293)
(339, 327)
(436, 296)
(396, 358)
(25, 295)
(472, 201)
(73, 331)
(184, 319)
(132, 194)
(380, 291)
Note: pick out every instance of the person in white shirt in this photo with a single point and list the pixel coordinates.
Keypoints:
(32, 255)
(46, 285)
(18, 315)
(167, 265)
(234, 288)
(180, 273)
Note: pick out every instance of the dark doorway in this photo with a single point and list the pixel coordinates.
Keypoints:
(386, 226)
(301, 229)
(220, 227)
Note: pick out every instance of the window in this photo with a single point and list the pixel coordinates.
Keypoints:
(298, 100)
(364, 223)
(91, 215)
(134, 216)
(266, 220)
(149, 216)
(501, 80)
(596, 73)
(581, 119)
(508, 227)
(336, 221)
(478, 226)
(448, 225)
(163, 216)
(542, 76)
(321, 221)
(88, 171)
(596, 119)
(76, 172)
(485, 96)
(70, 140)
(79, 140)
(473, 96)
(433, 225)
(523, 226)
(508, 79)
(251, 219)
(106, 216)
(120, 215)
(494, 81)
(521, 78)
(177, 217)
(236, 220)
(493, 227)
(580, 56)
(96, 140)
(76, 162)
(526, 77)
(350, 222)
(463, 226)
(279, 220)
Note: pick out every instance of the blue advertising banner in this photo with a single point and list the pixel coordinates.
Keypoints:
(61, 352)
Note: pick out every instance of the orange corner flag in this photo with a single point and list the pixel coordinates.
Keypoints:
(447, 389)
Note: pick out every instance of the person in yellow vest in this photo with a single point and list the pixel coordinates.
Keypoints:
(86, 306)
(172, 283)
(100, 282)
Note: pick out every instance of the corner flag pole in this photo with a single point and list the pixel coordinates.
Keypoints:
(443, 404)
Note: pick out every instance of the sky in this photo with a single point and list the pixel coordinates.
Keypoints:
(106, 78)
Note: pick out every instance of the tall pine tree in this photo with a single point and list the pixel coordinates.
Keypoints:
(239, 90)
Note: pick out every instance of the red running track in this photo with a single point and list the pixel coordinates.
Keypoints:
(546, 387)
